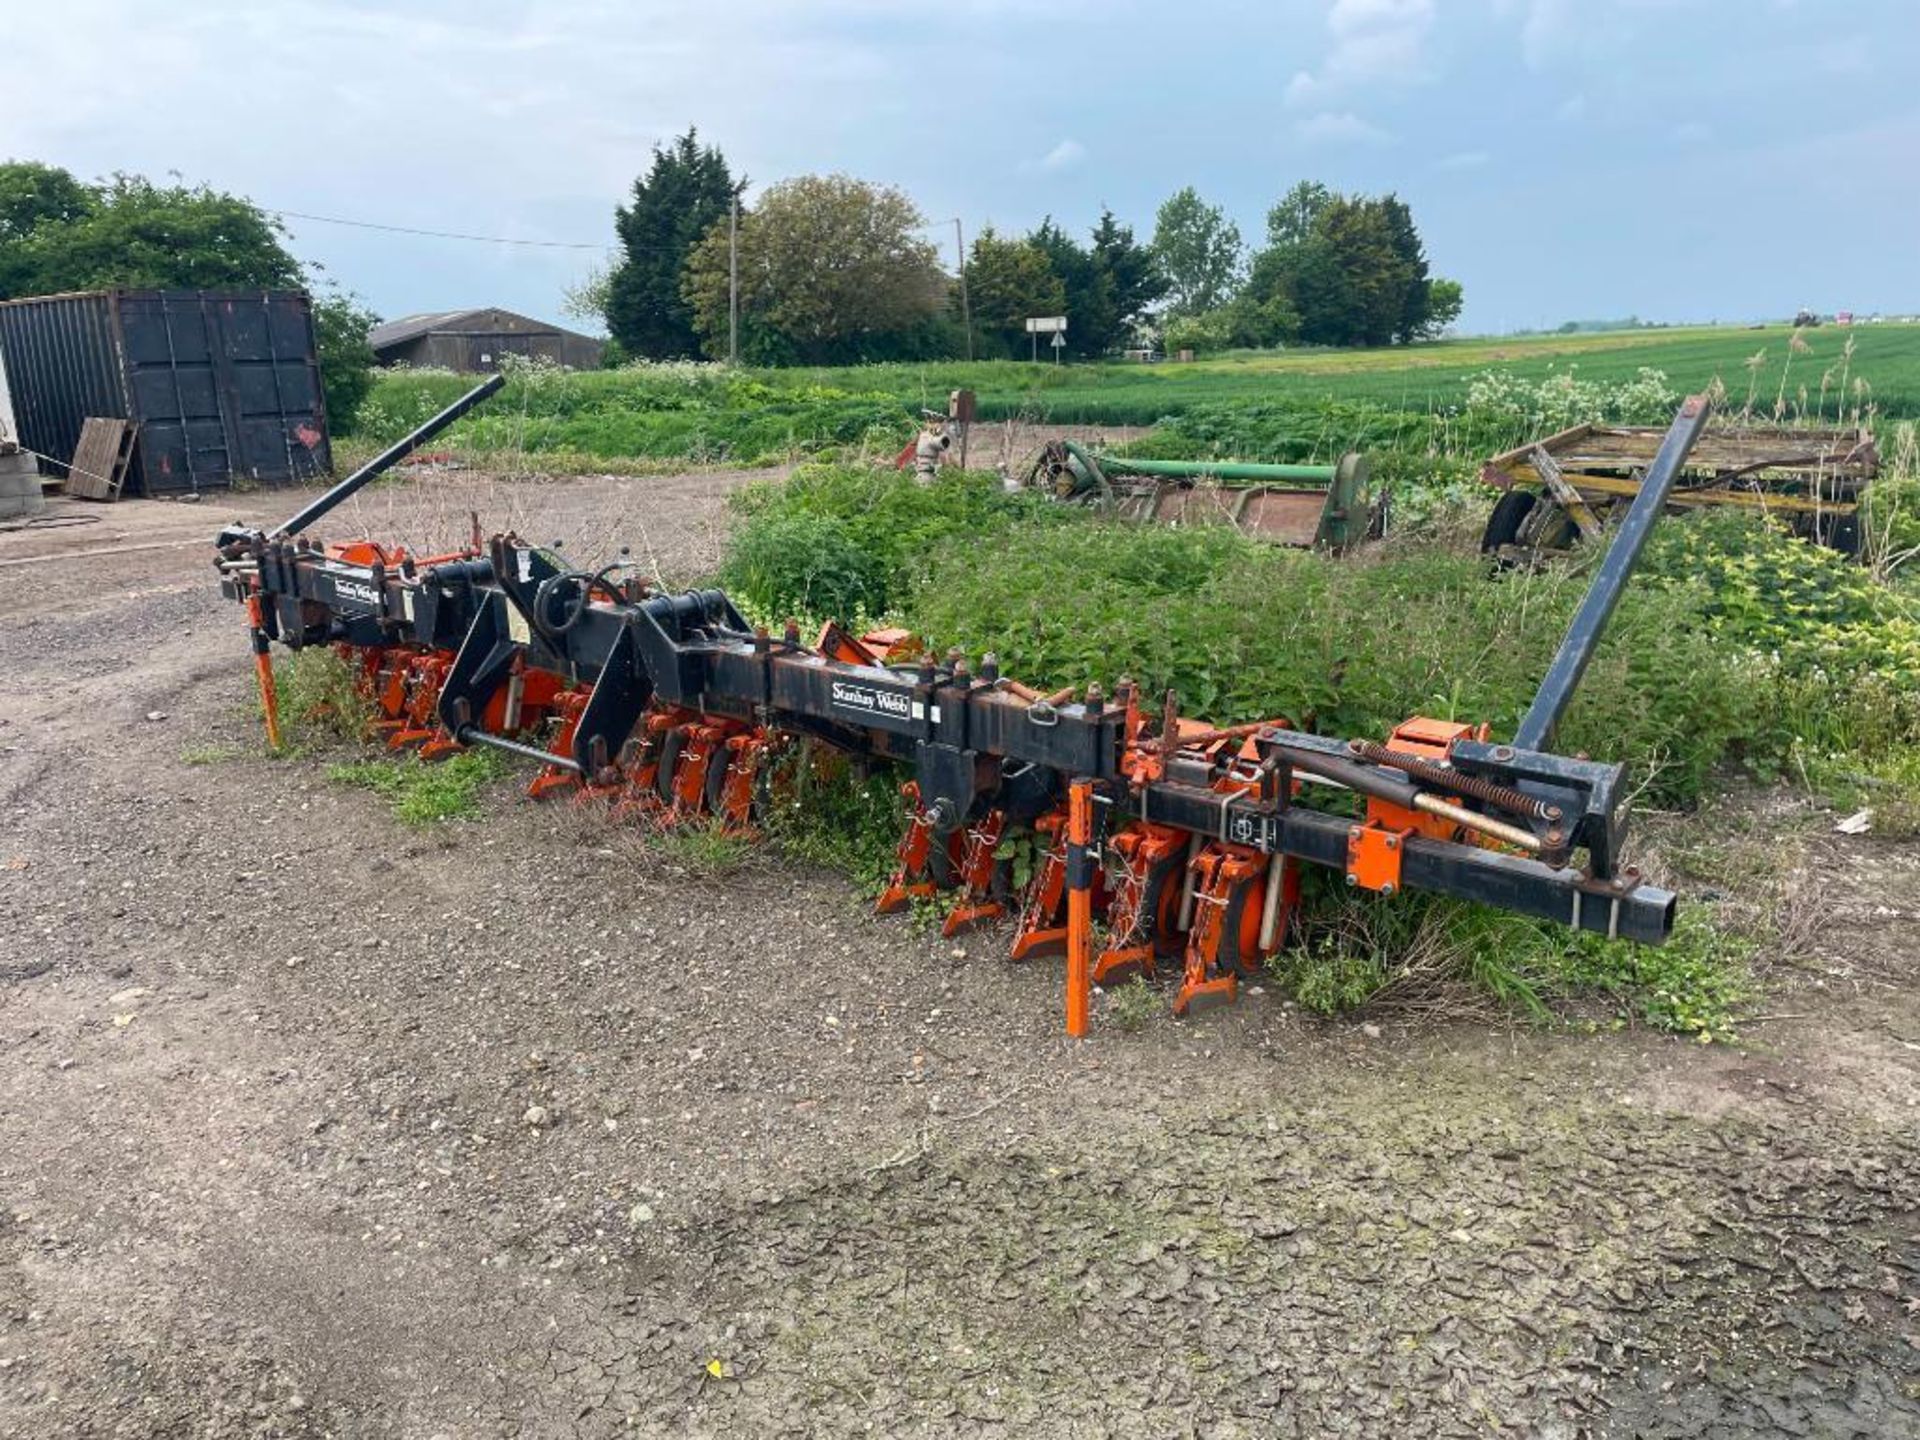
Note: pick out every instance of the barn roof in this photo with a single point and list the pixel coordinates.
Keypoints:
(485, 319)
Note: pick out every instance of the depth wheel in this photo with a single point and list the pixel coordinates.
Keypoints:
(1240, 927)
(1165, 888)
(671, 745)
(716, 787)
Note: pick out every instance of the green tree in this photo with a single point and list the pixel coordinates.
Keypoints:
(1008, 280)
(1134, 281)
(31, 195)
(1092, 321)
(170, 237)
(832, 270)
(1444, 301)
(1369, 306)
(340, 325)
(1291, 220)
(1415, 301)
(1198, 250)
(1347, 270)
(686, 191)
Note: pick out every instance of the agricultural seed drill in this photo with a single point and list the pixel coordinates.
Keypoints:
(1183, 840)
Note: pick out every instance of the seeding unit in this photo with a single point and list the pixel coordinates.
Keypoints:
(1183, 838)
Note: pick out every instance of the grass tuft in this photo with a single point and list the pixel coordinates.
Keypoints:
(422, 793)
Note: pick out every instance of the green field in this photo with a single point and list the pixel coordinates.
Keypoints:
(1424, 377)
(707, 413)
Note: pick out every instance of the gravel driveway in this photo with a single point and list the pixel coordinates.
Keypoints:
(311, 1124)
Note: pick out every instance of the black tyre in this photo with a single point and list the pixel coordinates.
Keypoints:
(717, 767)
(1843, 533)
(1240, 928)
(671, 745)
(1548, 527)
(1160, 899)
(1503, 526)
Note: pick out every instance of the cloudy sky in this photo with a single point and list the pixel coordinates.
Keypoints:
(1676, 159)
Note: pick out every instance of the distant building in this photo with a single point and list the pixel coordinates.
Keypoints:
(474, 340)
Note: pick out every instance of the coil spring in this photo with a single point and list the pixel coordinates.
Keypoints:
(1488, 792)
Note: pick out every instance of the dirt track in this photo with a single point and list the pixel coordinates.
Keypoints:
(266, 1166)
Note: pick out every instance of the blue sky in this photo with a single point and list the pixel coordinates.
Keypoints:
(1676, 159)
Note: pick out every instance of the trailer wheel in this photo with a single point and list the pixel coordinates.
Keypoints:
(1503, 526)
(1838, 532)
(1548, 527)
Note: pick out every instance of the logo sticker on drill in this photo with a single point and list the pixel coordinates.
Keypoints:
(357, 592)
(870, 700)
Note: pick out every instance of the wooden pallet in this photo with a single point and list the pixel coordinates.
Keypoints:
(99, 465)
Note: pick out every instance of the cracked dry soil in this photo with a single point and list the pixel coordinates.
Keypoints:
(266, 1167)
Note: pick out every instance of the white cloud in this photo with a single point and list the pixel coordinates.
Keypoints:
(1375, 42)
(1464, 160)
(1551, 30)
(1064, 156)
(1340, 127)
(1303, 91)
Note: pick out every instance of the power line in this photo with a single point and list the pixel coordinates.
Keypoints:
(437, 234)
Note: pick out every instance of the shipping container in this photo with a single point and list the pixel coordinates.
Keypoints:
(224, 385)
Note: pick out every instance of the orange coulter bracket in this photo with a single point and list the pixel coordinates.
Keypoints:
(1143, 917)
(1043, 919)
(568, 705)
(926, 864)
(1242, 907)
(746, 753)
(978, 861)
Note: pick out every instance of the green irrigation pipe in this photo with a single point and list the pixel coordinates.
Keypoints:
(1216, 469)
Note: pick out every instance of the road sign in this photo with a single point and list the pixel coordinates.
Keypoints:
(1046, 324)
(1059, 341)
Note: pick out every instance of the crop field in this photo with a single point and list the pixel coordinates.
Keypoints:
(706, 414)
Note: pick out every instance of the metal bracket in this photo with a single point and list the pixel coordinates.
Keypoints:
(1373, 857)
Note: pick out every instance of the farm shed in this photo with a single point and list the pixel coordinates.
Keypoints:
(474, 340)
(219, 384)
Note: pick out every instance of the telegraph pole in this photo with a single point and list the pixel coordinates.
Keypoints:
(733, 283)
(966, 310)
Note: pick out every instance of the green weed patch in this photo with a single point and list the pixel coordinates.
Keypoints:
(422, 793)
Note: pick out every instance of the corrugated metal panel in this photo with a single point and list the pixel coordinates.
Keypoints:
(63, 364)
(224, 384)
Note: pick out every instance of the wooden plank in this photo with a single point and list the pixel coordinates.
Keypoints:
(99, 464)
(1834, 451)
(1554, 444)
(1571, 500)
(1749, 499)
